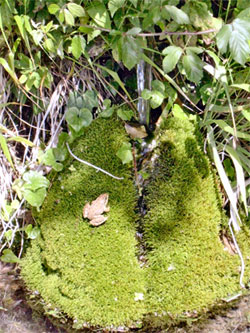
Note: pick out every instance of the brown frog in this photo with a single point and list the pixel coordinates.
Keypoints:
(94, 210)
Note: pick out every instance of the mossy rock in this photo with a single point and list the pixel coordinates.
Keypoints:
(93, 274)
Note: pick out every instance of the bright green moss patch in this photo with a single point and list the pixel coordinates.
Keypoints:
(189, 268)
(91, 274)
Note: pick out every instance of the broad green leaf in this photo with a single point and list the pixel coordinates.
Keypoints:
(90, 100)
(124, 153)
(223, 177)
(53, 8)
(239, 174)
(114, 5)
(97, 11)
(222, 38)
(157, 98)
(133, 31)
(35, 197)
(244, 14)
(159, 86)
(178, 15)
(48, 158)
(78, 46)
(32, 233)
(193, 67)
(76, 10)
(173, 55)
(69, 18)
(9, 257)
(194, 49)
(34, 180)
(227, 128)
(239, 47)
(244, 86)
(5, 149)
(146, 94)
(131, 52)
(78, 118)
(178, 112)
(108, 109)
(125, 114)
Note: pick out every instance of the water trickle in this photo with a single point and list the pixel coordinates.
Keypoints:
(144, 79)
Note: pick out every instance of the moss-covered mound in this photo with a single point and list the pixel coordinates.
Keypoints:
(91, 274)
(189, 268)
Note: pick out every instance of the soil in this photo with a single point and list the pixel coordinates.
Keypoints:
(17, 317)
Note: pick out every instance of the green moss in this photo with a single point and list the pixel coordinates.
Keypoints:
(189, 268)
(91, 274)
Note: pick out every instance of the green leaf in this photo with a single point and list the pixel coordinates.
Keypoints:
(78, 46)
(124, 153)
(53, 8)
(32, 233)
(131, 52)
(34, 180)
(227, 128)
(76, 10)
(239, 47)
(173, 55)
(178, 112)
(5, 150)
(24, 141)
(134, 2)
(178, 15)
(246, 114)
(244, 86)
(35, 197)
(133, 31)
(222, 38)
(48, 158)
(90, 100)
(97, 11)
(78, 118)
(125, 114)
(157, 98)
(193, 67)
(158, 85)
(114, 5)
(69, 18)
(9, 256)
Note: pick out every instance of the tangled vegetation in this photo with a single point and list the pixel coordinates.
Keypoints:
(65, 63)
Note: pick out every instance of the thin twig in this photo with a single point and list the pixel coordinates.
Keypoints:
(91, 165)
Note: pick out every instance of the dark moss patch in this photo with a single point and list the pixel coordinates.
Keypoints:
(91, 274)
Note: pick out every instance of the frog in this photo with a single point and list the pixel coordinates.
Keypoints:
(94, 210)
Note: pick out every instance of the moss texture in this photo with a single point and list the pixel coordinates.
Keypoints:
(92, 274)
(189, 268)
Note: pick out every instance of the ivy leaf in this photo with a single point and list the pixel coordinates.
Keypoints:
(48, 158)
(173, 55)
(78, 118)
(222, 38)
(34, 180)
(69, 18)
(99, 14)
(178, 15)
(78, 46)
(124, 153)
(193, 67)
(32, 233)
(108, 109)
(239, 46)
(125, 114)
(9, 256)
(76, 10)
(114, 5)
(156, 99)
(35, 197)
(90, 100)
(131, 52)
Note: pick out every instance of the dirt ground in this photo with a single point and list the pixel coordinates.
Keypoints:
(17, 317)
